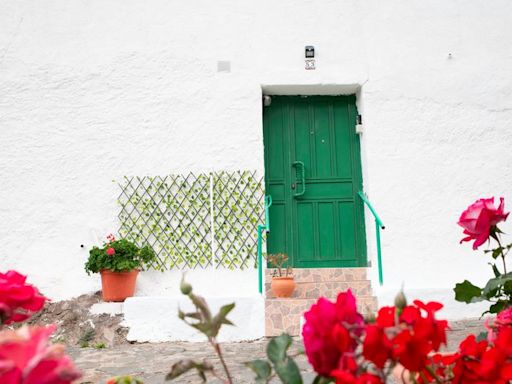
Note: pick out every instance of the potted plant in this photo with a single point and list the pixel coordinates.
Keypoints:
(283, 283)
(118, 262)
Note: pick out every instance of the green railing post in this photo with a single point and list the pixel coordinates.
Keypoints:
(378, 226)
(379, 255)
(260, 258)
(261, 228)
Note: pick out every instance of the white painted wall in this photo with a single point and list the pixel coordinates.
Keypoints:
(154, 319)
(94, 90)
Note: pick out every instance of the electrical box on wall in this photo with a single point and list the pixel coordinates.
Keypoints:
(359, 124)
(309, 54)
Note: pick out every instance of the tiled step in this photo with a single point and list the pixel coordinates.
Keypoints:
(316, 275)
(313, 283)
(284, 315)
(326, 289)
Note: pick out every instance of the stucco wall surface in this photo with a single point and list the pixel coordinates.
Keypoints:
(94, 90)
(153, 319)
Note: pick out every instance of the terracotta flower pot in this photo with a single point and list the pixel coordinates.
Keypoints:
(282, 286)
(117, 286)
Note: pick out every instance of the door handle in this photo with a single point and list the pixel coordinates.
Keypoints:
(300, 175)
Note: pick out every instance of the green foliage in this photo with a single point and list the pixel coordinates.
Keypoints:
(174, 215)
(99, 346)
(498, 290)
(467, 292)
(279, 261)
(127, 257)
(86, 337)
(183, 366)
(262, 369)
(279, 363)
(285, 367)
(323, 380)
(206, 323)
(124, 380)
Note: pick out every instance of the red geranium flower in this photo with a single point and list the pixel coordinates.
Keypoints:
(376, 345)
(422, 334)
(18, 300)
(111, 251)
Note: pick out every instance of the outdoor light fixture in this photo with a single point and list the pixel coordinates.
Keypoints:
(309, 52)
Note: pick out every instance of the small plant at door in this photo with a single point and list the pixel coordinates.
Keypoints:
(118, 262)
(283, 283)
(278, 261)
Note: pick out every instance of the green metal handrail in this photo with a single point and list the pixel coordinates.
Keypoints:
(261, 228)
(378, 226)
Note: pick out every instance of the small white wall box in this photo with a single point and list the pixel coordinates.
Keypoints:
(359, 124)
(310, 64)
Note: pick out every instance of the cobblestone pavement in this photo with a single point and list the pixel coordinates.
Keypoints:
(151, 362)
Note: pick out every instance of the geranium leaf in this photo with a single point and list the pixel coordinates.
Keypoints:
(277, 347)
(262, 369)
(467, 292)
(482, 336)
(288, 371)
(285, 366)
(322, 380)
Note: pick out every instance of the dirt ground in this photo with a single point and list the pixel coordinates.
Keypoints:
(77, 327)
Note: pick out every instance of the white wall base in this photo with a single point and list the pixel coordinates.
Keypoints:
(155, 319)
(452, 310)
(111, 309)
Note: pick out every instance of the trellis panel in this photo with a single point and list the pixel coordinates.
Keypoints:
(195, 220)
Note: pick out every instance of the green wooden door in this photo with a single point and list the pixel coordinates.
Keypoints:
(313, 173)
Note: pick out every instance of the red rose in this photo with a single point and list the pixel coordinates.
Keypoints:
(111, 251)
(479, 218)
(27, 357)
(18, 300)
(325, 333)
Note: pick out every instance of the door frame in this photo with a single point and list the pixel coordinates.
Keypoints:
(361, 243)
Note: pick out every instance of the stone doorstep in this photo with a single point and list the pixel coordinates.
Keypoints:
(315, 275)
(285, 315)
(326, 289)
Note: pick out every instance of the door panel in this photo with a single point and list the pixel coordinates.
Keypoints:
(324, 226)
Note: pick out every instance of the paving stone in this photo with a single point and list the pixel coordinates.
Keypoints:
(151, 362)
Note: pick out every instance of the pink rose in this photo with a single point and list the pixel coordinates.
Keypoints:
(26, 357)
(479, 218)
(18, 300)
(502, 320)
(326, 337)
(111, 251)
